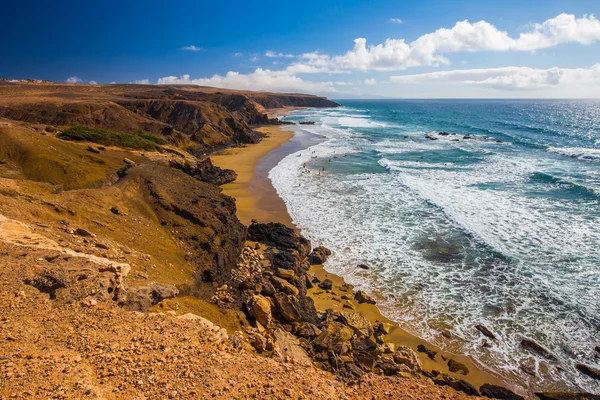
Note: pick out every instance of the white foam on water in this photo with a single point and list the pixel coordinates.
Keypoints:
(425, 233)
(578, 152)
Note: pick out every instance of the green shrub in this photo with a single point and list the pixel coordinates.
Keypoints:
(110, 138)
(50, 129)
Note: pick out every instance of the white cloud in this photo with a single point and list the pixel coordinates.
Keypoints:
(191, 48)
(510, 78)
(429, 49)
(273, 54)
(260, 79)
(238, 54)
(93, 83)
(142, 82)
(74, 79)
(396, 21)
(370, 81)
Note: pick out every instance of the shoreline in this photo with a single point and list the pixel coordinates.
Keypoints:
(259, 200)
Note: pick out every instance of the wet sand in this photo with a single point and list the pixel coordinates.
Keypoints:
(258, 199)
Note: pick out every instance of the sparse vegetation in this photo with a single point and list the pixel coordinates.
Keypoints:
(111, 138)
(50, 129)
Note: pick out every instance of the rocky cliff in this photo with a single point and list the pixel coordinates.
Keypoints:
(191, 117)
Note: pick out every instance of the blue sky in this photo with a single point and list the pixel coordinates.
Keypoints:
(309, 46)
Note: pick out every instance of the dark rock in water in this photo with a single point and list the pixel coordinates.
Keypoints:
(363, 266)
(589, 371)
(498, 392)
(363, 297)
(527, 370)
(446, 334)
(430, 353)
(319, 255)
(306, 122)
(485, 331)
(431, 137)
(535, 348)
(468, 137)
(327, 284)
(456, 367)
(567, 396)
(498, 141)
(443, 133)
(597, 348)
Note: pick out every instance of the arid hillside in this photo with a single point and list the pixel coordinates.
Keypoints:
(191, 117)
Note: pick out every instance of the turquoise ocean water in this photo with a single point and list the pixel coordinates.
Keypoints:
(496, 223)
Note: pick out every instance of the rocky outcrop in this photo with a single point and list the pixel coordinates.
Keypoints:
(319, 255)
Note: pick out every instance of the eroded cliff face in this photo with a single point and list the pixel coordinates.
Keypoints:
(195, 118)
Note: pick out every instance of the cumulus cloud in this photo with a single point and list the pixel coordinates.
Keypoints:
(73, 79)
(509, 78)
(464, 36)
(260, 79)
(191, 48)
(93, 83)
(396, 21)
(370, 81)
(142, 82)
(273, 54)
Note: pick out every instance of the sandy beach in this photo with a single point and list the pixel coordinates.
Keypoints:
(257, 199)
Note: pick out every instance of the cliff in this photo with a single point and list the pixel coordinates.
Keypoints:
(195, 118)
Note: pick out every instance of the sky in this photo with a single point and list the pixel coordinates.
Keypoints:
(340, 49)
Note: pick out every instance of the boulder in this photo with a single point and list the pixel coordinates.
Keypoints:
(384, 327)
(327, 284)
(456, 384)
(261, 307)
(430, 353)
(592, 372)
(332, 333)
(485, 331)
(308, 330)
(365, 352)
(456, 367)
(319, 255)
(388, 366)
(287, 307)
(535, 348)
(285, 273)
(357, 322)
(363, 266)
(388, 348)
(363, 297)
(284, 286)
(498, 392)
(406, 356)
(290, 348)
(142, 297)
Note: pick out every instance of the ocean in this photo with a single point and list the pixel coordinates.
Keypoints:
(494, 222)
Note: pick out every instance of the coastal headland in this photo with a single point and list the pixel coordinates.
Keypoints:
(128, 270)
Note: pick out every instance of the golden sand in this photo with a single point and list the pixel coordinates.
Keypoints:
(255, 196)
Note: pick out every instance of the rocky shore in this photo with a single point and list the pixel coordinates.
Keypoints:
(127, 273)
